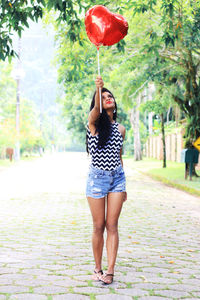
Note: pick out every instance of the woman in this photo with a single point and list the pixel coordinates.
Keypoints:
(106, 179)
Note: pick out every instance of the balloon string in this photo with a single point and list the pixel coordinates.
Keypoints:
(99, 75)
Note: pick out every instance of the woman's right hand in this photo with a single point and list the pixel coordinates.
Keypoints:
(99, 82)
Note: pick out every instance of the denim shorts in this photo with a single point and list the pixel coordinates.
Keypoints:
(101, 182)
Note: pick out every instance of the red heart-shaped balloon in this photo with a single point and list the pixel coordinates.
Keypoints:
(104, 27)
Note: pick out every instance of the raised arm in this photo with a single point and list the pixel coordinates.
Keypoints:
(95, 112)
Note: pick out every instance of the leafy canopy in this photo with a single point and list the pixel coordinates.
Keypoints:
(15, 15)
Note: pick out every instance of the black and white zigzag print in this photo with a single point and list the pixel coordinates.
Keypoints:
(107, 158)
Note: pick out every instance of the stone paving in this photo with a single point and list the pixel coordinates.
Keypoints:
(45, 236)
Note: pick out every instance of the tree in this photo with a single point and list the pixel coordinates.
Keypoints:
(13, 18)
(176, 40)
(16, 14)
(159, 105)
(30, 135)
(77, 69)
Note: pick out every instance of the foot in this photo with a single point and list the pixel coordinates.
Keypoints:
(107, 278)
(97, 275)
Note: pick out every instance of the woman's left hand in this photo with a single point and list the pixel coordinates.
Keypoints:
(125, 196)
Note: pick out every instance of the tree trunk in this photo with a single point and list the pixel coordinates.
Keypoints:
(168, 112)
(150, 92)
(135, 120)
(177, 114)
(150, 122)
(163, 140)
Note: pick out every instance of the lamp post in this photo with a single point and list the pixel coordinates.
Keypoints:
(18, 74)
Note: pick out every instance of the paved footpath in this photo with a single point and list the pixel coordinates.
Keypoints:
(45, 233)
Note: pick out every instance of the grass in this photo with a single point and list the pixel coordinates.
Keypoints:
(4, 163)
(173, 175)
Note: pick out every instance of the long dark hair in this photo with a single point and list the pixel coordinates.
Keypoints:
(103, 124)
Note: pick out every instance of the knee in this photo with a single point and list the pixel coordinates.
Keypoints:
(112, 227)
(98, 228)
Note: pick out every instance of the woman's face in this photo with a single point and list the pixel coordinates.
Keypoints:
(108, 101)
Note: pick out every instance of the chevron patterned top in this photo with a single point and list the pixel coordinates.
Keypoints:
(107, 158)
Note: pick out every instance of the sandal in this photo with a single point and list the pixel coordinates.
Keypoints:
(97, 275)
(105, 278)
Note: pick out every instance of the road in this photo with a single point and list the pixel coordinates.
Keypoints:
(45, 233)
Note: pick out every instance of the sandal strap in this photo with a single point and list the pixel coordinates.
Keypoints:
(100, 271)
(105, 277)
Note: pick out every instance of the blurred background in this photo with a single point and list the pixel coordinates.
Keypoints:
(48, 67)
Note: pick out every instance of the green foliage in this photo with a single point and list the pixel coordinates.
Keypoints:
(14, 17)
(162, 47)
(77, 71)
(161, 102)
(30, 135)
(174, 38)
(7, 88)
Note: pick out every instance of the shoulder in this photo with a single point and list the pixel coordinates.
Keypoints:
(122, 130)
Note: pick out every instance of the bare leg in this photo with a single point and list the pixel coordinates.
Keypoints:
(97, 207)
(114, 206)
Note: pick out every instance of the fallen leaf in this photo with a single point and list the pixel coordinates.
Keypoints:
(162, 256)
(135, 242)
(144, 278)
(176, 272)
(171, 262)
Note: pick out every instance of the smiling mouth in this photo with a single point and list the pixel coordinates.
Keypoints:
(109, 102)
